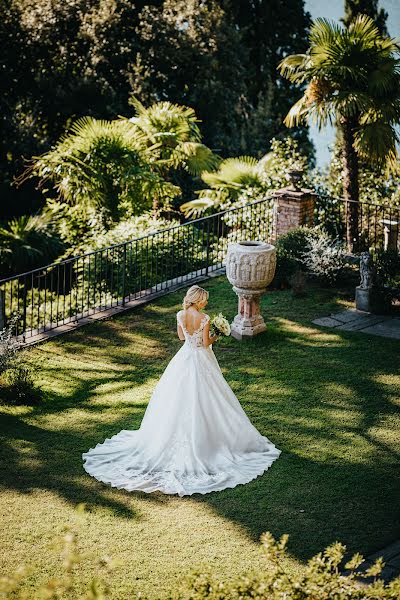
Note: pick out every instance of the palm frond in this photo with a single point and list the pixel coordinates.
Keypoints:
(234, 173)
(376, 142)
(195, 208)
(194, 157)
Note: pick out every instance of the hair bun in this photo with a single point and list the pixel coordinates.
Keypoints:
(194, 295)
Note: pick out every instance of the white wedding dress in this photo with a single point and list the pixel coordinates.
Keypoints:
(194, 438)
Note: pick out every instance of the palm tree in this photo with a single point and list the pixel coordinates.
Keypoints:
(353, 80)
(173, 137)
(28, 242)
(225, 185)
(100, 163)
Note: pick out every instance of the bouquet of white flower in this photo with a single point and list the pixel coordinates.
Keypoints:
(220, 325)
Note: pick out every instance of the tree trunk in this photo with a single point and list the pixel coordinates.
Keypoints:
(350, 183)
(155, 206)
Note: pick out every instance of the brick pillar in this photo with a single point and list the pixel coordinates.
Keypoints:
(292, 208)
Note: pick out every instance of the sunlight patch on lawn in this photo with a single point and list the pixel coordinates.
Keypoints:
(314, 335)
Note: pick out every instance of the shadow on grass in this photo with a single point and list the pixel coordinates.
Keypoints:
(320, 396)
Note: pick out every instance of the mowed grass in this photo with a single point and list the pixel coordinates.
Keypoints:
(328, 399)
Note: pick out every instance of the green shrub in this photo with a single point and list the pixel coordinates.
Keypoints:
(387, 264)
(325, 259)
(17, 385)
(289, 254)
(322, 579)
(297, 241)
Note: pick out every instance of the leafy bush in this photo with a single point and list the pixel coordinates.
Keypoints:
(20, 385)
(325, 259)
(387, 265)
(8, 345)
(17, 385)
(387, 285)
(297, 241)
(308, 249)
(290, 248)
(321, 579)
(28, 242)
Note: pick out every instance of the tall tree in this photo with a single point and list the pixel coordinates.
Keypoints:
(353, 8)
(221, 58)
(353, 79)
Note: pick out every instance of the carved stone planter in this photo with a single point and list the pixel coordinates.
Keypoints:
(250, 268)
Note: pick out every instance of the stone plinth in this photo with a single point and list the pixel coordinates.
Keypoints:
(364, 299)
(391, 232)
(292, 208)
(250, 268)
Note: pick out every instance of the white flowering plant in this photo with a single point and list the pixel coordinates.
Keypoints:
(220, 325)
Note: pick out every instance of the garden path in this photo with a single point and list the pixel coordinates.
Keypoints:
(353, 319)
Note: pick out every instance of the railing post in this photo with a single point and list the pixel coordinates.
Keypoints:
(24, 295)
(208, 245)
(3, 309)
(123, 276)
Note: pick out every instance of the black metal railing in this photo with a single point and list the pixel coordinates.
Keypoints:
(378, 225)
(70, 290)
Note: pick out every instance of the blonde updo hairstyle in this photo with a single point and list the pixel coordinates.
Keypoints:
(194, 296)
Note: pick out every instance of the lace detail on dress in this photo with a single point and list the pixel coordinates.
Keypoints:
(195, 339)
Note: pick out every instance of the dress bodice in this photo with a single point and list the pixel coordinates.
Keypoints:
(195, 339)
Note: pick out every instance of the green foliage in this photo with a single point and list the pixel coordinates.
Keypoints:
(308, 249)
(353, 8)
(387, 265)
(297, 241)
(376, 185)
(221, 59)
(65, 60)
(100, 164)
(321, 579)
(285, 155)
(351, 74)
(17, 383)
(325, 259)
(245, 178)
(289, 255)
(28, 242)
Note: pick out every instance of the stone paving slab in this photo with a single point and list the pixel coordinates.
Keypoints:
(361, 323)
(349, 315)
(327, 322)
(386, 329)
(353, 319)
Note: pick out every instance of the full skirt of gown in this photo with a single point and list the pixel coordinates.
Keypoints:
(194, 437)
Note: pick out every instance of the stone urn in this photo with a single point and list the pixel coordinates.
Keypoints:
(250, 268)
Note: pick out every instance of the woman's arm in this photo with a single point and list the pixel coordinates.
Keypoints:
(207, 340)
(180, 332)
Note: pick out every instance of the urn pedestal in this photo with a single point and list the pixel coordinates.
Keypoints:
(250, 268)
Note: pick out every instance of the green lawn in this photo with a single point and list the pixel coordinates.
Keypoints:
(328, 399)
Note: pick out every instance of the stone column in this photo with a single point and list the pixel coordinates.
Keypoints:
(292, 208)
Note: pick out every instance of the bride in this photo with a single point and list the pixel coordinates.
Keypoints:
(194, 437)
